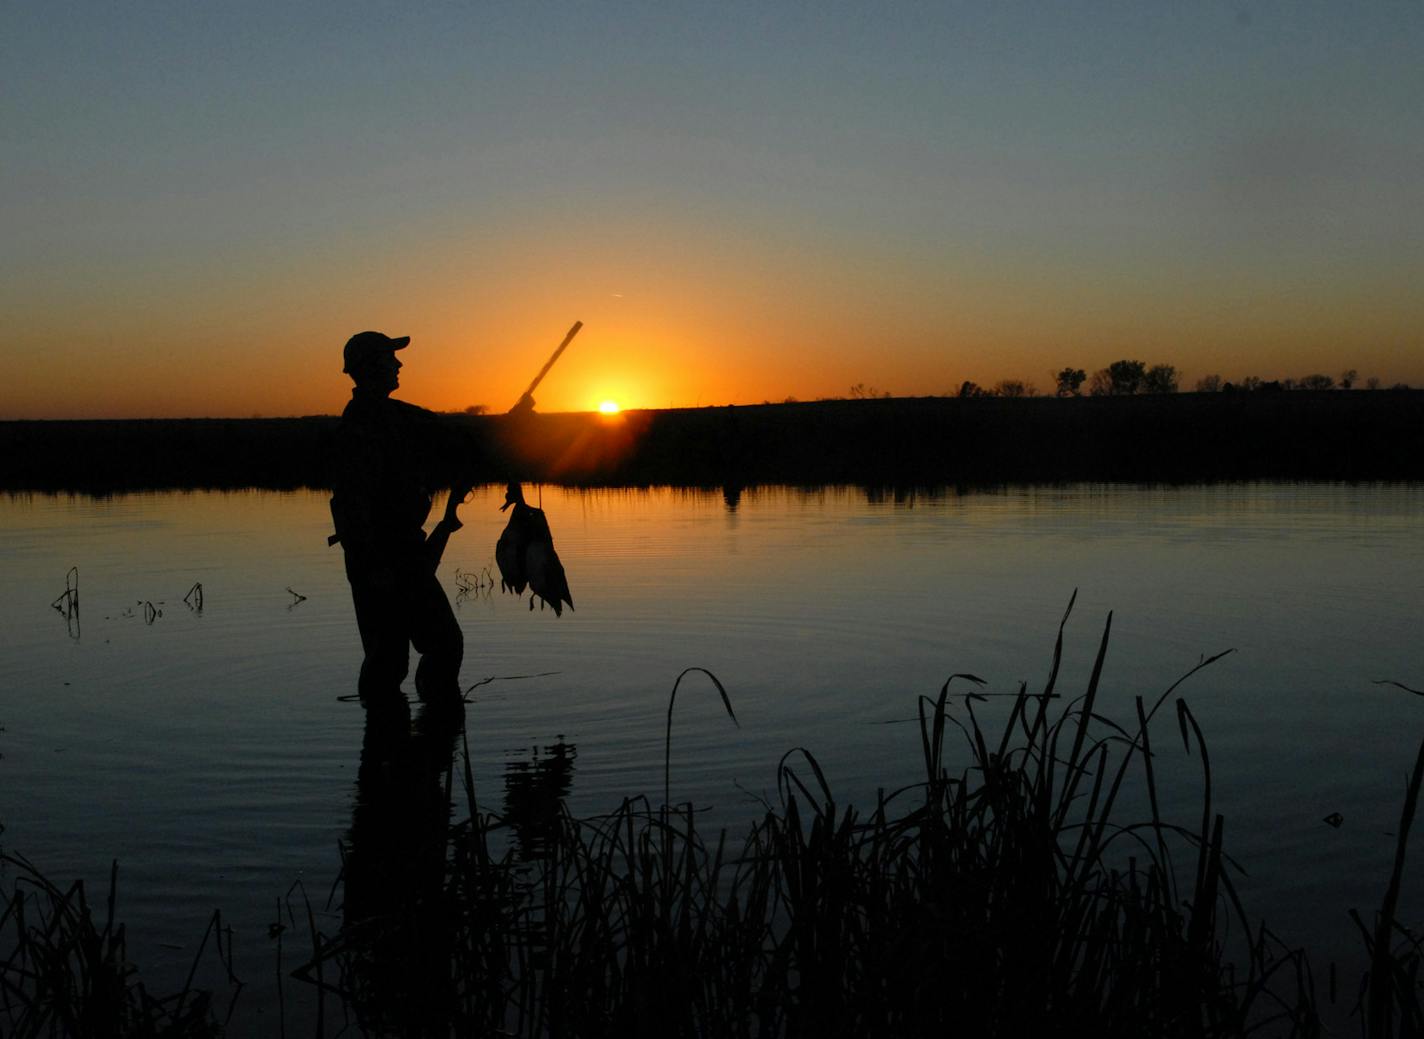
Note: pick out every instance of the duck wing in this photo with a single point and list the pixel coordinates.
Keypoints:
(510, 551)
(546, 575)
(542, 565)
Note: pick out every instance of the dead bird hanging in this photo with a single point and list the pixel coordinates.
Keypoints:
(525, 551)
(525, 555)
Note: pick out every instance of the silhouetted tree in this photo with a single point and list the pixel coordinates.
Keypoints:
(1014, 388)
(970, 389)
(1210, 384)
(860, 391)
(1316, 382)
(1251, 382)
(476, 409)
(1101, 384)
(1068, 381)
(1372, 383)
(1160, 378)
(1348, 377)
(1127, 377)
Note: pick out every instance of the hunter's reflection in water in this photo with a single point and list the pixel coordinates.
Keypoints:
(403, 919)
(396, 919)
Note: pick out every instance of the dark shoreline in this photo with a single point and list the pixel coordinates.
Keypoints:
(923, 441)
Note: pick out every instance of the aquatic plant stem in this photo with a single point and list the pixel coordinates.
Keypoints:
(667, 744)
(1383, 983)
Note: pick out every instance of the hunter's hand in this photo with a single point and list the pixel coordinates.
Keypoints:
(458, 492)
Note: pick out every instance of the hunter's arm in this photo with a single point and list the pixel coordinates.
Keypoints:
(447, 525)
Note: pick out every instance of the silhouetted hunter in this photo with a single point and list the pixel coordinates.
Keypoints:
(388, 456)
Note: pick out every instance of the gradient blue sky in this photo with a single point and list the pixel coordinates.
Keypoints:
(200, 202)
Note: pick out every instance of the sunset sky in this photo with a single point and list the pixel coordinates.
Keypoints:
(741, 201)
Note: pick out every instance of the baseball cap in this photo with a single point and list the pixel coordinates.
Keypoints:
(365, 345)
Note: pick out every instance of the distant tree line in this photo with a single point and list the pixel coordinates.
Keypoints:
(1126, 378)
(1347, 380)
(1002, 388)
(1119, 379)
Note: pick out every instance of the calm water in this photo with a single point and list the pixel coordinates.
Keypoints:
(212, 754)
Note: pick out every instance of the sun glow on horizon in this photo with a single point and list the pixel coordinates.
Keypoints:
(609, 407)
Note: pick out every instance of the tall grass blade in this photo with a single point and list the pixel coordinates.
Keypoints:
(672, 700)
(1384, 987)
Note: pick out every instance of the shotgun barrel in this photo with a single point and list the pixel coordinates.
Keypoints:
(526, 401)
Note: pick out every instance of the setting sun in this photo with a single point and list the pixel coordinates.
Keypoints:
(609, 407)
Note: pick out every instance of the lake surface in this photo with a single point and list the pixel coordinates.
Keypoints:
(214, 752)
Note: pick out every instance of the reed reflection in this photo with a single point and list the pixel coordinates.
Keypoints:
(534, 795)
(397, 920)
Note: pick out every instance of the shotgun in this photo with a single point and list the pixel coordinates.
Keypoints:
(526, 402)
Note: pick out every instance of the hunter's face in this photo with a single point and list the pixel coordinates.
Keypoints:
(381, 373)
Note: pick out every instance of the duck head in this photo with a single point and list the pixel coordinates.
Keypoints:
(513, 495)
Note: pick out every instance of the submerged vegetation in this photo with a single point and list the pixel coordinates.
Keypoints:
(1002, 894)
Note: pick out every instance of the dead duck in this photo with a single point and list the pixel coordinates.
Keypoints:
(525, 555)
(513, 542)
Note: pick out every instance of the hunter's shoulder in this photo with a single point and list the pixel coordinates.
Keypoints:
(404, 407)
(368, 410)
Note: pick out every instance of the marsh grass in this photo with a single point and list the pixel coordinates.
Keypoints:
(1001, 897)
(65, 969)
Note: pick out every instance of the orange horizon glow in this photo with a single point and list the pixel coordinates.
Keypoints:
(712, 335)
(700, 321)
